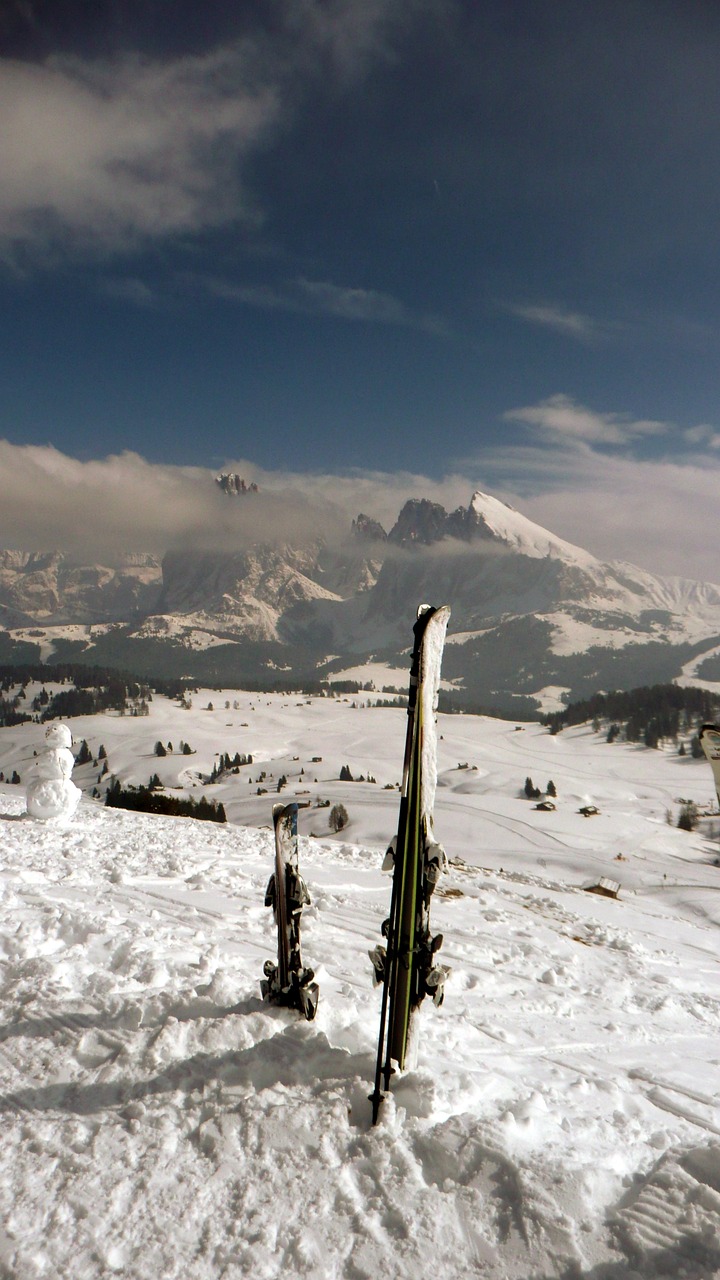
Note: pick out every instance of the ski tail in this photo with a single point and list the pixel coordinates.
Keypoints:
(406, 967)
(288, 982)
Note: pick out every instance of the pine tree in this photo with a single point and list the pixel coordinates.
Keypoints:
(338, 817)
(689, 817)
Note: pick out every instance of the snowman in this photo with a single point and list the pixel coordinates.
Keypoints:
(51, 793)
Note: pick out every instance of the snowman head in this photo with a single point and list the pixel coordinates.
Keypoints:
(58, 735)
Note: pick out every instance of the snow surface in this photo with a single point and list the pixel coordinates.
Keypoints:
(46, 637)
(160, 1121)
(689, 674)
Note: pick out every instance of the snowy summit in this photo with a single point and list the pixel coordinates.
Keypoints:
(490, 518)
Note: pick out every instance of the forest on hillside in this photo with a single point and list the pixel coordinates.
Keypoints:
(650, 714)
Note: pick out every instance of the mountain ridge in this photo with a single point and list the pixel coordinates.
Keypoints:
(530, 610)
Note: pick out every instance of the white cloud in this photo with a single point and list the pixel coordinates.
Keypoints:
(114, 152)
(106, 154)
(561, 419)
(654, 514)
(571, 324)
(379, 494)
(657, 513)
(347, 35)
(321, 297)
(363, 304)
(703, 435)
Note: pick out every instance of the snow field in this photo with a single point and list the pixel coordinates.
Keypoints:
(160, 1120)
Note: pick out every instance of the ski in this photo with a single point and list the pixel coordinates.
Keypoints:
(710, 742)
(288, 982)
(406, 964)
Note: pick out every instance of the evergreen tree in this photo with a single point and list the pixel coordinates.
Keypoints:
(338, 817)
(689, 817)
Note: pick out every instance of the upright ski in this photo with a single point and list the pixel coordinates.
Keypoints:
(710, 743)
(287, 982)
(406, 966)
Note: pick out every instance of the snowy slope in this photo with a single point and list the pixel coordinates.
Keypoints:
(490, 518)
(160, 1121)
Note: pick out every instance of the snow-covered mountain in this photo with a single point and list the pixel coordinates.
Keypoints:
(52, 588)
(530, 611)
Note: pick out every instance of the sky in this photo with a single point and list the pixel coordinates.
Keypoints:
(368, 248)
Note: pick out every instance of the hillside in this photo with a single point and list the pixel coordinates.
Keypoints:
(160, 1120)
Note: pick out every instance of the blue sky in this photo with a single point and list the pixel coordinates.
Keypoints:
(472, 241)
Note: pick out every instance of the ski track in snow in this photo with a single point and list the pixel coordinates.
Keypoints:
(161, 1121)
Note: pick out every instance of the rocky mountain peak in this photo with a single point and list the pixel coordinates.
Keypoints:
(231, 483)
(420, 523)
(368, 530)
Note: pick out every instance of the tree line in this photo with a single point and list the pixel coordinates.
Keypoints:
(649, 714)
(147, 800)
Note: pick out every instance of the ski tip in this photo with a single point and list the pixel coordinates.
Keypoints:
(424, 609)
(278, 810)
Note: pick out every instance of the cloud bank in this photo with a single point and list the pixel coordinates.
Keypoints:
(100, 509)
(657, 513)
